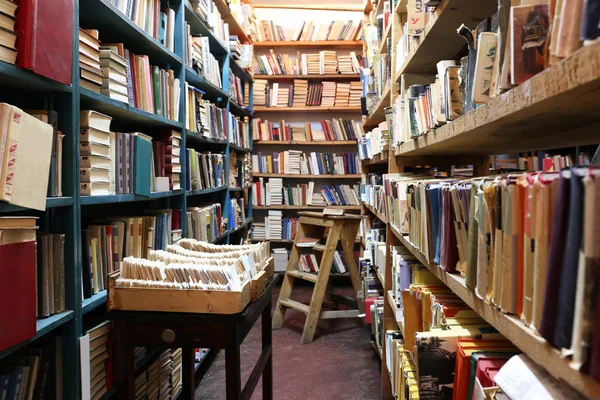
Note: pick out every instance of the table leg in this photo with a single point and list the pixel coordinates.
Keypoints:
(124, 362)
(267, 340)
(233, 376)
(188, 375)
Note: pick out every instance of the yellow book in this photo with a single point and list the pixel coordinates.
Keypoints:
(94, 249)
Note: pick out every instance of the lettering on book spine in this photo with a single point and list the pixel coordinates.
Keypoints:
(12, 162)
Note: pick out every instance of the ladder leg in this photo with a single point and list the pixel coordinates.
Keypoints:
(288, 281)
(319, 291)
(348, 236)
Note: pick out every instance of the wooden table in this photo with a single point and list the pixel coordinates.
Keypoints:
(188, 331)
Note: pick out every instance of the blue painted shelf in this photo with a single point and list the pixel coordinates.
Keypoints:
(51, 202)
(239, 110)
(206, 191)
(197, 139)
(199, 27)
(12, 76)
(93, 302)
(248, 221)
(239, 189)
(237, 70)
(124, 114)
(222, 236)
(115, 27)
(212, 91)
(239, 148)
(126, 198)
(44, 325)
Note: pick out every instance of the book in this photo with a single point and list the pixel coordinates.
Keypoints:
(528, 25)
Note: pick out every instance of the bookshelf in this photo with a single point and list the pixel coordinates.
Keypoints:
(315, 109)
(65, 214)
(316, 77)
(292, 143)
(340, 44)
(551, 110)
(300, 176)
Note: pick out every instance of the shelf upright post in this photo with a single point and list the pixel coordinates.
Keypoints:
(180, 50)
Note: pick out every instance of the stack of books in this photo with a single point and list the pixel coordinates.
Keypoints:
(114, 75)
(329, 94)
(259, 231)
(273, 224)
(273, 189)
(201, 60)
(300, 92)
(355, 94)
(260, 92)
(299, 195)
(333, 130)
(98, 155)
(165, 367)
(167, 160)
(235, 47)
(292, 165)
(297, 64)
(310, 163)
(176, 372)
(312, 63)
(95, 357)
(206, 170)
(152, 387)
(328, 62)
(8, 50)
(342, 94)
(141, 385)
(206, 223)
(90, 74)
(50, 273)
(345, 65)
(318, 200)
(280, 96)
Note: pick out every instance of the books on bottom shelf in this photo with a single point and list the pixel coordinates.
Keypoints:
(331, 130)
(107, 241)
(206, 222)
(50, 274)
(95, 357)
(24, 374)
(309, 263)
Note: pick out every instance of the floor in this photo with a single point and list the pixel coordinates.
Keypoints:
(339, 365)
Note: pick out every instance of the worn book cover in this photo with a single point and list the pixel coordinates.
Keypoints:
(529, 30)
(484, 70)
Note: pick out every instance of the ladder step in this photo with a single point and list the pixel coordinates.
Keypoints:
(307, 276)
(296, 305)
(319, 247)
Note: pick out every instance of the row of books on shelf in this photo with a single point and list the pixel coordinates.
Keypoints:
(275, 226)
(200, 59)
(520, 280)
(304, 93)
(150, 15)
(240, 131)
(37, 263)
(298, 162)
(111, 69)
(376, 80)
(206, 222)
(240, 170)
(272, 192)
(309, 263)
(243, 14)
(107, 241)
(24, 375)
(373, 196)
(206, 170)
(126, 163)
(337, 129)
(533, 162)
(310, 31)
(237, 212)
(239, 90)
(324, 62)
(374, 142)
(483, 75)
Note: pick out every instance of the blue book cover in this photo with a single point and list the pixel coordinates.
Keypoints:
(5, 379)
(142, 150)
(434, 193)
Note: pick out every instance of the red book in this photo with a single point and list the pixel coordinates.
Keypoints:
(134, 80)
(176, 223)
(44, 47)
(17, 286)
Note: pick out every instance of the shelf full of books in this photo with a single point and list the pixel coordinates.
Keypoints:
(137, 100)
(463, 74)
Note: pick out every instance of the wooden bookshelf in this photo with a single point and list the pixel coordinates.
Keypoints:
(378, 114)
(560, 112)
(388, 32)
(348, 109)
(306, 176)
(316, 77)
(320, 43)
(282, 143)
(376, 213)
(234, 26)
(512, 328)
(318, 208)
(378, 159)
(440, 40)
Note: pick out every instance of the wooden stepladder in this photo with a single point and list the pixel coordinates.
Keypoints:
(315, 225)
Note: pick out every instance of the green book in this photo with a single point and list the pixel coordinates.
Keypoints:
(142, 157)
(157, 95)
(193, 159)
